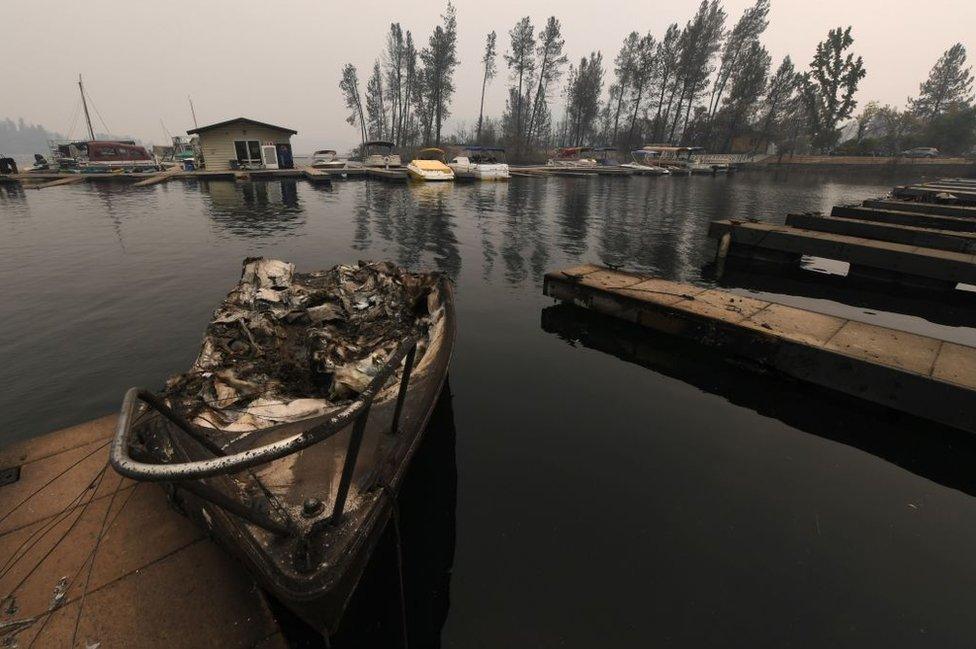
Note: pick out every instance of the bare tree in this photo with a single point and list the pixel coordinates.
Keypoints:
(488, 64)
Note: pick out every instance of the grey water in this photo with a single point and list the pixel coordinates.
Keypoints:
(584, 483)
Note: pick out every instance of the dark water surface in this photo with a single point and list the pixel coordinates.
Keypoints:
(588, 484)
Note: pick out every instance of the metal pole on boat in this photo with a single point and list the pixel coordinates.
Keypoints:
(84, 103)
(192, 112)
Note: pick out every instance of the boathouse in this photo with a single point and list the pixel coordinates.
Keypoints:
(243, 143)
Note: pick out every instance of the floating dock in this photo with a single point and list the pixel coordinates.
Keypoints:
(924, 208)
(90, 557)
(923, 376)
(902, 216)
(964, 242)
(935, 192)
(869, 258)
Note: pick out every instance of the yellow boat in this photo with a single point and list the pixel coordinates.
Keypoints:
(429, 165)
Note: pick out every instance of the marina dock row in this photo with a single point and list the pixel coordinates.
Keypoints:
(923, 376)
(927, 240)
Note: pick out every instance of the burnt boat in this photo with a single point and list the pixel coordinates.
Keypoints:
(290, 435)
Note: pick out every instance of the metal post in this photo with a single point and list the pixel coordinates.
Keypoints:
(213, 496)
(352, 452)
(404, 384)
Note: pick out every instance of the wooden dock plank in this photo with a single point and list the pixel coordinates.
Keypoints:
(69, 180)
(161, 177)
(941, 265)
(920, 375)
(924, 208)
(911, 218)
(964, 242)
(156, 581)
(934, 193)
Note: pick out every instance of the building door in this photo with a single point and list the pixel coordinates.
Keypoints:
(285, 160)
(270, 156)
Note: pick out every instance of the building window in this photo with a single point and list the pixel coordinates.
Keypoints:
(248, 151)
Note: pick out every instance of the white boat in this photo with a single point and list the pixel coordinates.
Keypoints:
(384, 158)
(429, 165)
(327, 159)
(645, 162)
(686, 159)
(481, 163)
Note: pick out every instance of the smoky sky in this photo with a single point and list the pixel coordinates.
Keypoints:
(280, 61)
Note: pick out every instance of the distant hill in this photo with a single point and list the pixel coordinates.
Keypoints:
(22, 139)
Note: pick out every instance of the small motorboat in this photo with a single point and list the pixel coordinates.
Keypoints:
(645, 162)
(573, 156)
(289, 436)
(40, 164)
(686, 159)
(481, 163)
(379, 154)
(429, 165)
(327, 159)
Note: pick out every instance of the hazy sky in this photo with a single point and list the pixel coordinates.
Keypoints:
(280, 62)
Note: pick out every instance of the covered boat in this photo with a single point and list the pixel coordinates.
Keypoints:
(687, 159)
(379, 153)
(429, 165)
(481, 162)
(291, 433)
(327, 159)
(101, 156)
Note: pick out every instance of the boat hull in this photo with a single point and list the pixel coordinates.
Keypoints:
(318, 589)
(426, 175)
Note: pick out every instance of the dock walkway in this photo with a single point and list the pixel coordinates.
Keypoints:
(133, 572)
(923, 376)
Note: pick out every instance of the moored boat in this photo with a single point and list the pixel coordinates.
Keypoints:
(327, 159)
(291, 433)
(645, 162)
(482, 163)
(379, 154)
(100, 156)
(429, 165)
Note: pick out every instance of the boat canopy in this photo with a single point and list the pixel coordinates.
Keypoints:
(325, 152)
(485, 149)
(673, 149)
(382, 143)
(431, 149)
(644, 152)
(115, 152)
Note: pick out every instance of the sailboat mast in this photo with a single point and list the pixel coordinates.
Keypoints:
(192, 112)
(81, 87)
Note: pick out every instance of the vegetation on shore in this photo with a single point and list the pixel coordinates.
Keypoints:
(701, 84)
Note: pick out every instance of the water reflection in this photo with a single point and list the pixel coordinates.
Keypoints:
(935, 452)
(254, 209)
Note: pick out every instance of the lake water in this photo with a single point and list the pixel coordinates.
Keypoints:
(584, 483)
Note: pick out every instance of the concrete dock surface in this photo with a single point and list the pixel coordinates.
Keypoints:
(920, 375)
(88, 557)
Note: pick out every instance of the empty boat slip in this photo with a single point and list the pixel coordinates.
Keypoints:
(881, 260)
(906, 217)
(917, 374)
(964, 242)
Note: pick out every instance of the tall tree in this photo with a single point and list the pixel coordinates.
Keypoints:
(349, 85)
(623, 68)
(583, 97)
(440, 61)
(950, 81)
(642, 73)
(375, 108)
(829, 86)
(781, 89)
(747, 30)
(748, 82)
(699, 42)
(410, 89)
(549, 54)
(488, 65)
(395, 59)
(668, 52)
(521, 65)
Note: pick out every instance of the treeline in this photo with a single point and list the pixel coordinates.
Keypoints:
(21, 138)
(707, 83)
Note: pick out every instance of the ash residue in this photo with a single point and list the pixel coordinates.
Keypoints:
(284, 346)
